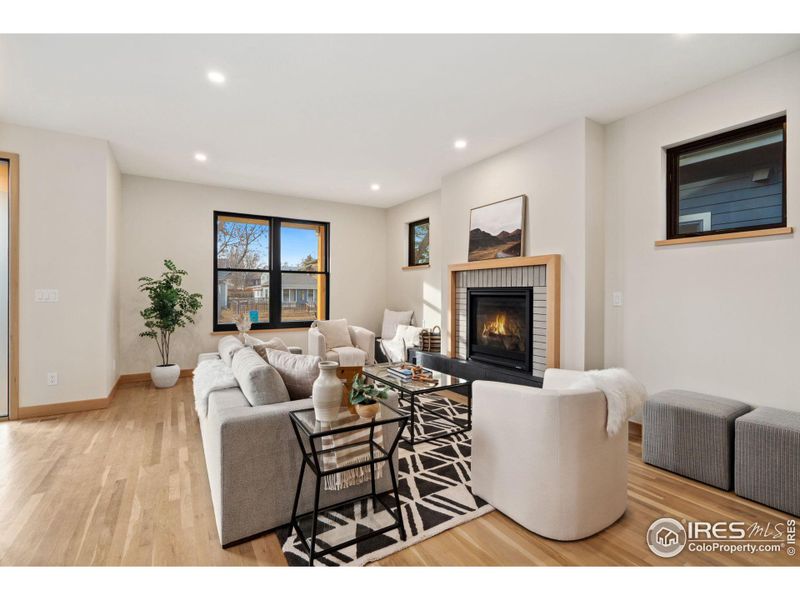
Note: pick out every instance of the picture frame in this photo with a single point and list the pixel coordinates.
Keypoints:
(497, 229)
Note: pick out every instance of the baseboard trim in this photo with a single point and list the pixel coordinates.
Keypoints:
(63, 408)
(143, 377)
(48, 410)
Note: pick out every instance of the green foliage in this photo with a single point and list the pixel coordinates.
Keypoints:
(171, 307)
(309, 263)
(365, 393)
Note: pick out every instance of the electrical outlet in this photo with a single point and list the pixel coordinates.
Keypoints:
(52, 379)
(616, 299)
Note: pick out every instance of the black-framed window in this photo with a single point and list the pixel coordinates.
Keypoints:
(734, 181)
(419, 243)
(272, 269)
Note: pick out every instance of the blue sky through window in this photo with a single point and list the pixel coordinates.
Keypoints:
(296, 244)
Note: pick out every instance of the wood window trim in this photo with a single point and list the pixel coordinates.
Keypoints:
(673, 187)
(276, 272)
(719, 237)
(410, 264)
(417, 267)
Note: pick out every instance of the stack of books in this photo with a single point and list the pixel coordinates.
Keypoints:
(400, 373)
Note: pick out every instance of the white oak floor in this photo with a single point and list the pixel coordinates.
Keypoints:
(127, 486)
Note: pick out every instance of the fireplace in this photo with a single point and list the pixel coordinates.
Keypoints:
(499, 326)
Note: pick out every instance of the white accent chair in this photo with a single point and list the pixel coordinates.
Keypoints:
(543, 457)
(340, 335)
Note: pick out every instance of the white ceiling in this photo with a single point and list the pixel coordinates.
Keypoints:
(326, 116)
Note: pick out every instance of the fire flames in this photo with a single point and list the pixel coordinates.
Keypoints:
(497, 326)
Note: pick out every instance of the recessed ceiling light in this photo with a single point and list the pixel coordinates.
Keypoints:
(375, 187)
(460, 144)
(216, 77)
(200, 157)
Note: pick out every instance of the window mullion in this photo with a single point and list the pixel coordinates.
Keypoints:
(275, 272)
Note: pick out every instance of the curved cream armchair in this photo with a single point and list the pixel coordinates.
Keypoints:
(543, 457)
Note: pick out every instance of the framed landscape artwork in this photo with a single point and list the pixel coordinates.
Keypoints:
(497, 230)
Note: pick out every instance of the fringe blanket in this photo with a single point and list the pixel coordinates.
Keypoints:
(624, 394)
(209, 376)
(349, 456)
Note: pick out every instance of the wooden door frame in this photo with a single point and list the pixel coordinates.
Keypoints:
(13, 283)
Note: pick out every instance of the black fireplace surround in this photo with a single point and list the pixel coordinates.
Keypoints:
(499, 328)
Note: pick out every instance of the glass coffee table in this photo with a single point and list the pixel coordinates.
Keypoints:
(413, 400)
(320, 441)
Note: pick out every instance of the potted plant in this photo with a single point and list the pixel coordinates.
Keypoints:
(171, 307)
(364, 396)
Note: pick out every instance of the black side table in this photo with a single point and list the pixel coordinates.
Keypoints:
(309, 434)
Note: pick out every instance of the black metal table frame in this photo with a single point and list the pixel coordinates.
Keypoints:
(411, 398)
(311, 458)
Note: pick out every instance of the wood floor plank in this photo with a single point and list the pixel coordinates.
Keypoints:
(127, 485)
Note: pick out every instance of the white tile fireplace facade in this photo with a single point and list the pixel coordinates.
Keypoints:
(534, 276)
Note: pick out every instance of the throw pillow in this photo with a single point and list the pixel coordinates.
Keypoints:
(260, 383)
(335, 333)
(298, 371)
(393, 318)
(275, 342)
(227, 347)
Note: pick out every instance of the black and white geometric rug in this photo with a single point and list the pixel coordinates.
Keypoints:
(435, 493)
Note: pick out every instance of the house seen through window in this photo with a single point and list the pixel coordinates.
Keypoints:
(258, 259)
(730, 182)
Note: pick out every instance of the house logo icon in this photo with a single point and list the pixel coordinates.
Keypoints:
(666, 537)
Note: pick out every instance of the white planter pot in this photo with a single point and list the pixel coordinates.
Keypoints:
(166, 376)
(326, 393)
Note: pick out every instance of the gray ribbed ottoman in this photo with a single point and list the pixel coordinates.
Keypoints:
(768, 458)
(691, 434)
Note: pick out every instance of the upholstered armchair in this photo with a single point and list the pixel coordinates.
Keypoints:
(543, 457)
(349, 345)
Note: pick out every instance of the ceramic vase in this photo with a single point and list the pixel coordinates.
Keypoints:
(165, 376)
(326, 393)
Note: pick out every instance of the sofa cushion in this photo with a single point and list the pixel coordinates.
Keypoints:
(393, 318)
(260, 383)
(335, 333)
(273, 344)
(227, 347)
(299, 371)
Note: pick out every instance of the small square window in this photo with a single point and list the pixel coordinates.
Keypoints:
(735, 181)
(419, 243)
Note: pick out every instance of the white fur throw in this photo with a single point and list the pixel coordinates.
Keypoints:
(210, 376)
(624, 394)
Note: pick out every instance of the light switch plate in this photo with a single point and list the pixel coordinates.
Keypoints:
(45, 295)
(616, 299)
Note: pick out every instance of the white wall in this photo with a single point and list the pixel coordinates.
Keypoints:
(552, 171)
(420, 289)
(719, 317)
(64, 194)
(167, 219)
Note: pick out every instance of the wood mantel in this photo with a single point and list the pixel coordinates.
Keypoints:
(553, 264)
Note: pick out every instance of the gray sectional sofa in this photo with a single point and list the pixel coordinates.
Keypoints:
(253, 462)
